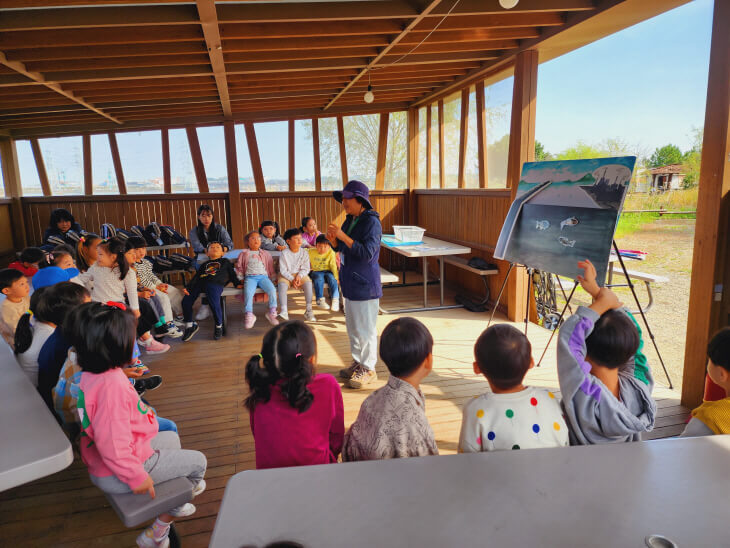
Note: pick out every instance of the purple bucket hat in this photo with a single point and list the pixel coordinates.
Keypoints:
(354, 189)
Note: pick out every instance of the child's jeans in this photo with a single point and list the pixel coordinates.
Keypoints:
(251, 283)
(318, 279)
(168, 462)
(213, 292)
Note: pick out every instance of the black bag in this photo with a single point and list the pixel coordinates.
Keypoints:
(138, 231)
(108, 231)
(123, 235)
(160, 263)
(170, 236)
(481, 264)
(153, 234)
(181, 262)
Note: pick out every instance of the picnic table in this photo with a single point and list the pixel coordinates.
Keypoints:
(600, 495)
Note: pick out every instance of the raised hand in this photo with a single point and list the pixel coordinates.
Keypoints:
(588, 280)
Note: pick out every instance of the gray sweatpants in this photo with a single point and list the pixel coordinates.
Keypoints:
(168, 462)
(284, 288)
(361, 319)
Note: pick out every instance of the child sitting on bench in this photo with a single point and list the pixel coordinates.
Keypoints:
(120, 441)
(255, 267)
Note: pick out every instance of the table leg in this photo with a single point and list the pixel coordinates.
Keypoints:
(425, 282)
(441, 278)
(610, 273)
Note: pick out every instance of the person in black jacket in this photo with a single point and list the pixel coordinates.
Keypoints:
(212, 276)
(358, 241)
(62, 229)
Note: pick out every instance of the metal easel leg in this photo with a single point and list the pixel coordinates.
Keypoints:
(499, 295)
(527, 301)
(560, 319)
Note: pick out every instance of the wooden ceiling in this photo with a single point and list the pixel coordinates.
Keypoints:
(77, 66)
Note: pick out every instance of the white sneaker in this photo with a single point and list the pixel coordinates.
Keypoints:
(309, 316)
(199, 488)
(335, 305)
(146, 539)
(203, 312)
(284, 315)
(173, 331)
(322, 303)
(183, 511)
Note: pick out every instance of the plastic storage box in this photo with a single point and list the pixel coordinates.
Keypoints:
(408, 233)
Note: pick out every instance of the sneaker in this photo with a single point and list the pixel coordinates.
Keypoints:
(284, 315)
(217, 332)
(152, 346)
(183, 511)
(199, 488)
(309, 316)
(161, 330)
(173, 331)
(148, 383)
(248, 320)
(361, 377)
(347, 372)
(146, 539)
(203, 313)
(322, 303)
(335, 305)
(189, 332)
(271, 316)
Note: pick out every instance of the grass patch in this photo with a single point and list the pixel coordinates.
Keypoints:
(629, 223)
(677, 200)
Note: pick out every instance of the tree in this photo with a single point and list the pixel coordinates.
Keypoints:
(666, 155)
(541, 154)
(692, 159)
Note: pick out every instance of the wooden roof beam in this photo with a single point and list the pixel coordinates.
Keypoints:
(211, 32)
(428, 9)
(38, 77)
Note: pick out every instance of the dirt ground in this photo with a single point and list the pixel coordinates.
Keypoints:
(669, 244)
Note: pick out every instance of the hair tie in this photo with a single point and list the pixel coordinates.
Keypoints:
(29, 311)
(120, 306)
(299, 355)
(261, 361)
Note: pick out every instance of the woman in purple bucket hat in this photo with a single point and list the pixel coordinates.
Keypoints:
(358, 242)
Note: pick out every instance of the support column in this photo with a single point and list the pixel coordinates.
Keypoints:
(235, 217)
(709, 296)
(521, 149)
(382, 151)
(88, 177)
(13, 190)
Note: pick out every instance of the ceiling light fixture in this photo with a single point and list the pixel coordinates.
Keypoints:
(508, 4)
(369, 96)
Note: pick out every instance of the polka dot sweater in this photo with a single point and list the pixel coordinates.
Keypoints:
(521, 420)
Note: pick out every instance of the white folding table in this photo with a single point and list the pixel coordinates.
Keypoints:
(611, 495)
(430, 247)
(32, 444)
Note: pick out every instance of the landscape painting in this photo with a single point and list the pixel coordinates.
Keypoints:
(564, 212)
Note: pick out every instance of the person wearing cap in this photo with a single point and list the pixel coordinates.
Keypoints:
(358, 242)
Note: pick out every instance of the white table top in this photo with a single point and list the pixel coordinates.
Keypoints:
(597, 496)
(430, 247)
(32, 444)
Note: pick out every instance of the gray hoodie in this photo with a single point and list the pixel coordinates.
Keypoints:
(592, 412)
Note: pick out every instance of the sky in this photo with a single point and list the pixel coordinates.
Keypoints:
(645, 85)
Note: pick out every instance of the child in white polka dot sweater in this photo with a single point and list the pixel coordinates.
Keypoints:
(512, 415)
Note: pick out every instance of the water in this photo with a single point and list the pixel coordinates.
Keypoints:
(541, 249)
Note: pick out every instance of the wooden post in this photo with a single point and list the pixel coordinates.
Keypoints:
(463, 136)
(235, 220)
(429, 121)
(709, 296)
(382, 151)
(198, 165)
(413, 148)
(315, 149)
(442, 175)
(253, 152)
(292, 158)
(88, 177)
(40, 167)
(343, 151)
(117, 161)
(481, 135)
(13, 190)
(166, 171)
(521, 149)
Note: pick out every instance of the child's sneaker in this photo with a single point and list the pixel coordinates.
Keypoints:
(146, 539)
(148, 383)
(151, 346)
(335, 305)
(173, 331)
(199, 488)
(189, 332)
(361, 377)
(203, 312)
(309, 316)
(348, 372)
(248, 320)
(284, 315)
(322, 303)
(183, 511)
(217, 332)
(271, 316)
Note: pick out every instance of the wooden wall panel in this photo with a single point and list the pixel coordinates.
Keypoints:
(7, 246)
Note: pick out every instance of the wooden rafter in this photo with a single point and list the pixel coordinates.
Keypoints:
(117, 161)
(481, 135)
(211, 32)
(442, 163)
(429, 8)
(463, 137)
(343, 148)
(38, 77)
(235, 219)
(88, 172)
(197, 157)
(315, 150)
(253, 151)
(291, 156)
(166, 167)
(429, 121)
(40, 167)
(382, 151)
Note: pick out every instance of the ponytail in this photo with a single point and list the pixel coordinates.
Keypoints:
(23, 334)
(286, 354)
(117, 247)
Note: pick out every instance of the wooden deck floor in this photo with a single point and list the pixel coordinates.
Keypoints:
(203, 390)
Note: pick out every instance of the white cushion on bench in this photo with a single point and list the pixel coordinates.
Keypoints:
(135, 509)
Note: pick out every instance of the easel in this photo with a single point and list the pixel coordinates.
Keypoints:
(567, 304)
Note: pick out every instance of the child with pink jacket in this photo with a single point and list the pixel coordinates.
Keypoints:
(255, 267)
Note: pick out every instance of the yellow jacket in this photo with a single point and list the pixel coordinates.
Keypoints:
(321, 263)
(715, 415)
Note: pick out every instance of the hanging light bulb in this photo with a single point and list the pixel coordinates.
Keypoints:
(508, 4)
(369, 96)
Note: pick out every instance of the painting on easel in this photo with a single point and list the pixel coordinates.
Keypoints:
(565, 211)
